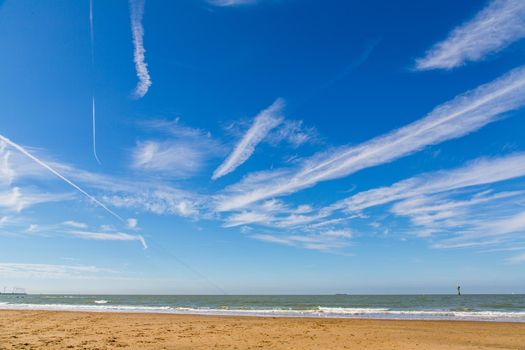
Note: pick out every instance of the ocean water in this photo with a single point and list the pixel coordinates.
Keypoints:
(505, 308)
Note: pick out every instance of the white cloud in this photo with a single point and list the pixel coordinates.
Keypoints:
(158, 201)
(104, 236)
(497, 26)
(19, 270)
(262, 124)
(294, 133)
(74, 224)
(178, 159)
(33, 228)
(144, 194)
(479, 172)
(276, 215)
(247, 218)
(275, 220)
(512, 224)
(517, 259)
(7, 174)
(16, 199)
(327, 241)
(464, 114)
(445, 213)
(176, 129)
(140, 194)
(57, 174)
(231, 3)
(183, 155)
(488, 227)
(449, 205)
(337, 233)
(132, 223)
(15, 166)
(137, 31)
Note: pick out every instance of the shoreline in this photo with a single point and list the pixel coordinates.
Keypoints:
(264, 317)
(394, 315)
(94, 330)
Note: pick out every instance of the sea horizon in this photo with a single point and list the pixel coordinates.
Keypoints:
(469, 307)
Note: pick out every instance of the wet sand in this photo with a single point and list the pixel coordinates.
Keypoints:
(78, 330)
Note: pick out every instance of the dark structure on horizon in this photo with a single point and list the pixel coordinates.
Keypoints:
(14, 291)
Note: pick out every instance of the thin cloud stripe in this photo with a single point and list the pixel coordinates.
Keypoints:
(494, 28)
(265, 121)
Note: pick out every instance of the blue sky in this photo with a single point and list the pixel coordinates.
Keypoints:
(262, 146)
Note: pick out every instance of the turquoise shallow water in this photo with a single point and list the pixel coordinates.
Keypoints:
(466, 307)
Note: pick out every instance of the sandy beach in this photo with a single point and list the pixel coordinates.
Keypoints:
(77, 330)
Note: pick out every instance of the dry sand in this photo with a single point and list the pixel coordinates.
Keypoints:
(76, 330)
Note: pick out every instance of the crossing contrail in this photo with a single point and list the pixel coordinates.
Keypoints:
(60, 176)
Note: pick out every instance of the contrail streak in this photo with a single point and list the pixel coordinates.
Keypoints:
(62, 177)
(137, 30)
(93, 110)
(91, 35)
(93, 113)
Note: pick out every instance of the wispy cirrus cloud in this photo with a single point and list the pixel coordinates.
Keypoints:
(183, 154)
(302, 226)
(517, 259)
(326, 241)
(478, 172)
(132, 223)
(277, 215)
(500, 224)
(265, 121)
(58, 174)
(160, 200)
(294, 133)
(453, 207)
(144, 195)
(497, 26)
(137, 30)
(462, 115)
(231, 3)
(75, 224)
(19, 270)
(178, 159)
(458, 214)
(7, 174)
(105, 236)
(17, 199)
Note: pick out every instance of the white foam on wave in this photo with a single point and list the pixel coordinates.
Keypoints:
(320, 312)
(89, 308)
(429, 313)
(101, 301)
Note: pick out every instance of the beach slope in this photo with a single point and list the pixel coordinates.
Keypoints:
(76, 330)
